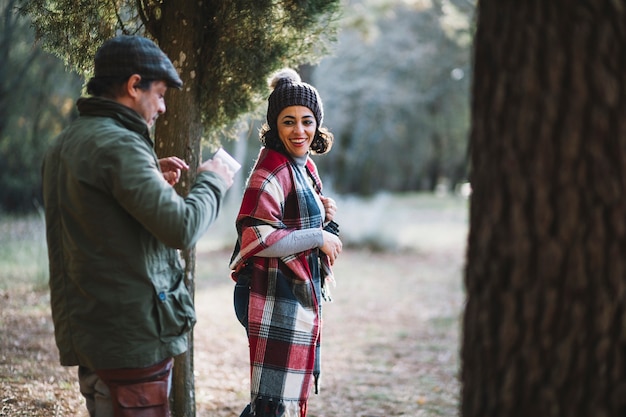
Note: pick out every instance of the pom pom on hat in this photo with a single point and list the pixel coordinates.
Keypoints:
(284, 75)
(289, 90)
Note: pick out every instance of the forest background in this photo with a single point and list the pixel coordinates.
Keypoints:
(395, 91)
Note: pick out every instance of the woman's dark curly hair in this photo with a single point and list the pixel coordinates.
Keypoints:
(322, 142)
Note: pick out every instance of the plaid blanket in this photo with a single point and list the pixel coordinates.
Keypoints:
(284, 314)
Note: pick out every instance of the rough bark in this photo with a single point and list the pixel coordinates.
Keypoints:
(545, 323)
(179, 133)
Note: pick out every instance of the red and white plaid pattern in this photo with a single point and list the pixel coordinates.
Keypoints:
(284, 315)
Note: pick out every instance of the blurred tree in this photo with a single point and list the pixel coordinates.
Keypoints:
(224, 51)
(396, 95)
(544, 327)
(34, 107)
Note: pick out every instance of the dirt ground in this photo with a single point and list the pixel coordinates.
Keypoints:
(390, 342)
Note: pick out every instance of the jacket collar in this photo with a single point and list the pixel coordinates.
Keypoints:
(103, 107)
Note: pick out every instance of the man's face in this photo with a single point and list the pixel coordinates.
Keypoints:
(151, 103)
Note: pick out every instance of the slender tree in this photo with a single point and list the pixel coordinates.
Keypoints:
(224, 51)
(546, 273)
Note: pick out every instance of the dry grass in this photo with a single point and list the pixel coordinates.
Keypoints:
(390, 337)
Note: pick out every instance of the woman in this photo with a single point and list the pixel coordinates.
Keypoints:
(283, 252)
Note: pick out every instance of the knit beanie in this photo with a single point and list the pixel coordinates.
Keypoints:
(289, 90)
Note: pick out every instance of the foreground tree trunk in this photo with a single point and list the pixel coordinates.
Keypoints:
(545, 322)
(179, 133)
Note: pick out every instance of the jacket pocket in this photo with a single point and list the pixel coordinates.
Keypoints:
(175, 311)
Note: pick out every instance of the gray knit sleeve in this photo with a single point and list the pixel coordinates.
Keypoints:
(294, 242)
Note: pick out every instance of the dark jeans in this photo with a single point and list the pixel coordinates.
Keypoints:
(264, 409)
(246, 412)
(241, 299)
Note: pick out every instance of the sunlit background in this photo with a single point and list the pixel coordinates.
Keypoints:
(396, 96)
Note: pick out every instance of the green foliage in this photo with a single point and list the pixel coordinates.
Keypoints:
(244, 41)
(74, 30)
(253, 39)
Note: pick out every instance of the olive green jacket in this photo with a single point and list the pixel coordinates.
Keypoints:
(113, 227)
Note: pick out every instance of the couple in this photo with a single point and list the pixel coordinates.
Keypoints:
(114, 225)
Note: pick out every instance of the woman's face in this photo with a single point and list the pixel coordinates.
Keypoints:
(296, 129)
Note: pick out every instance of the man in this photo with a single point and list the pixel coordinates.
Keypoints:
(114, 222)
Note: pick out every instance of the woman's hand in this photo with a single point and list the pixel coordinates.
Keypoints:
(330, 206)
(171, 168)
(332, 246)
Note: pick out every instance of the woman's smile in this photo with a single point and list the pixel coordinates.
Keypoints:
(296, 129)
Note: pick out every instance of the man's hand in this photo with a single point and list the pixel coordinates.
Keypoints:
(171, 168)
(219, 167)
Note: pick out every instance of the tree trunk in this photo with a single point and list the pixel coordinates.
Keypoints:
(179, 133)
(544, 326)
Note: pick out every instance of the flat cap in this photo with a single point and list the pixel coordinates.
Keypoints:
(124, 56)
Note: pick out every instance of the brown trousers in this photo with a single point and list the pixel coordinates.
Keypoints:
(139, 392)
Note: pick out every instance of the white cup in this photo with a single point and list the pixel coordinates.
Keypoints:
(225, 157)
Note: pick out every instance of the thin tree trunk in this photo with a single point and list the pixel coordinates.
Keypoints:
(179, 133)
(544, 326)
